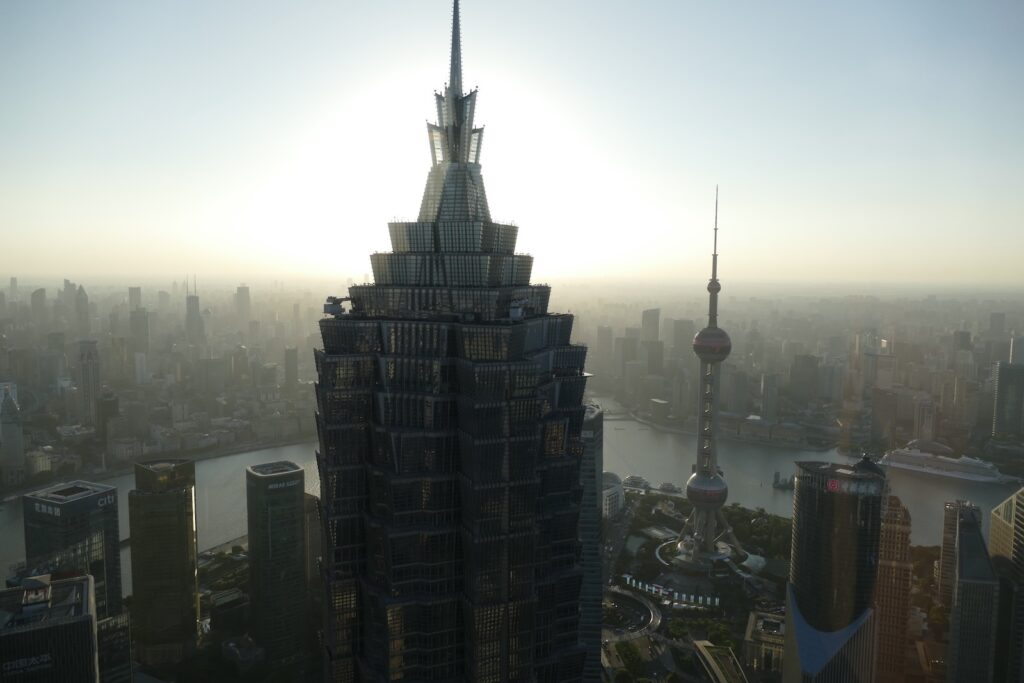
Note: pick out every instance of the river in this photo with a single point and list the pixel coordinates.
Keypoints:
(220, 502)
(629, 448)
(634, 448)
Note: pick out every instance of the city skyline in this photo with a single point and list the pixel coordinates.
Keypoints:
(890, 151)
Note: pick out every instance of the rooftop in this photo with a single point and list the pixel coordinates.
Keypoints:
(272, 468)
(39, 600)
(841, 471)
(67, 493)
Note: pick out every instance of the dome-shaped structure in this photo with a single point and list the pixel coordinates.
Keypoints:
(712, 345)
(707, 490)
(610, 479)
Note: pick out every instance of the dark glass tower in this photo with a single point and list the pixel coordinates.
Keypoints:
(72, 528)
(592, 481)
(449, 416)
(837, 520)
(277, 559)
(162, 518)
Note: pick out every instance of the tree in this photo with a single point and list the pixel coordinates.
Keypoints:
(623, 676)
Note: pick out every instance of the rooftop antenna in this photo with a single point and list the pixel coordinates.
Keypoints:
(455, 75)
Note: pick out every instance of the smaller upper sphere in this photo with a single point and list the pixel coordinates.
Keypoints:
(712, 345)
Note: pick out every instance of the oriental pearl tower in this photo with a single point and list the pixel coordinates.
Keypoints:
(700, 541)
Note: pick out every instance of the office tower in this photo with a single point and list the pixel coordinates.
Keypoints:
(1006, 546)
(975, 606)
(277, 559)
(48, 631)
(892, 592)
(243, 306)
(83, 320)
(591, 468)
(138, 324)
(947, 551)
(291, 369)
(74, 527)
(195, 328)
(1016, 348)
(706, 489)
(114, 642)
(651, 324)
(14, 289)
(88, 379)
(449, 415)
(1008, 411)
(996, 325)
(37, 305)
(162, 518)
(683, 332)
(134, 298)
(108, 407)
(830, 619)
(311, 509)
(803, 378)
(769, 397)
(12, 442)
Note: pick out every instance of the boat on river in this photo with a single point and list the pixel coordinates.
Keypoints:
(926, 457)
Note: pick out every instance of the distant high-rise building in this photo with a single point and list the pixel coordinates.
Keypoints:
(892, 592)
(134, 298)
(683, 332)
(195, 328)
(830, 618)
(974, 610)
(83, 318)
(654, 355)
(591, 468)
(138, 323)
(88, 379)
(277, 560)
(651, 324)
(165, 591)
(14, 289)
(450, 415)
(1006, 546)
(706, 489)
(1017, 349)
(163, 302)
(947, 552)
(12, 442)
(37, 305)
(803, 378)
(48, 631)
(1008, 410)
(291, 369)
(243, 307)
(74, 527)
(108, 407)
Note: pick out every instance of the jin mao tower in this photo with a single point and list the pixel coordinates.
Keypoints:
(449, 411)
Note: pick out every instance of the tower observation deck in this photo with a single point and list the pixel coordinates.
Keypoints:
(706, 536)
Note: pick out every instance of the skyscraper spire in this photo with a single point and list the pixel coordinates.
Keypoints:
(714, 287)
(455, 78)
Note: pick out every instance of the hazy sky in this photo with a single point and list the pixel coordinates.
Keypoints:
(858, 141)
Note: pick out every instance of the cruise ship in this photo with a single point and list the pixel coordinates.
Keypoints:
(936, 459)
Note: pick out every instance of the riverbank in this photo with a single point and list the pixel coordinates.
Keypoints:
(668, 429)
(195, 456)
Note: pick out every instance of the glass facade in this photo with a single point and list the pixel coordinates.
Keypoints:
(71, 528)
(48, 631)
(834, 559)
(449, 412)
(277, 559)
(162, 517)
